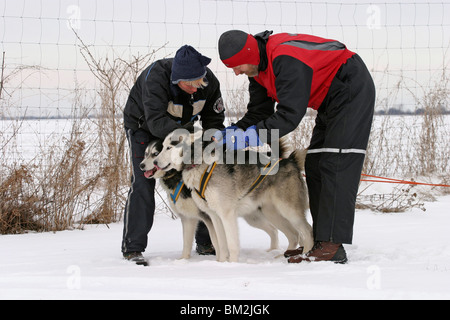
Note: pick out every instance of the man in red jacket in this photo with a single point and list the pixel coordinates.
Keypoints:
(298, 71)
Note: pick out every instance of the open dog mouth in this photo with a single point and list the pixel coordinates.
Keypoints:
(150, 173)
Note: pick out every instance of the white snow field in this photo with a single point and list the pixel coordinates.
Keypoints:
(394, 256)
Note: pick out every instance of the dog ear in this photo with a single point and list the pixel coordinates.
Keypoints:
(156, 144)
(180, 137)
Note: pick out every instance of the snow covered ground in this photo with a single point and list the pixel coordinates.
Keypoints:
(394, 256)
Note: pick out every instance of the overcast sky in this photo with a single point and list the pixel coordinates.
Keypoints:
(395, 39)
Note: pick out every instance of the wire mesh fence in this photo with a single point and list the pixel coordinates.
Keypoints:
(403, 42)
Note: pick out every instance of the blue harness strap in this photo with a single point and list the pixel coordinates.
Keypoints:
(176, 192)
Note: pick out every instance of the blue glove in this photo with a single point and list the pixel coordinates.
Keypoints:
(236, 139)
(220, 135)
(252, 137)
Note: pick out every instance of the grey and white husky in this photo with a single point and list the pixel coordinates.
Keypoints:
(183, 205)
(235, 190)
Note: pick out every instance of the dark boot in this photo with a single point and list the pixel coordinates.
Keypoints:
(323, 251)
(205, 249)
(203, 240)
(294, 252)
(136, 257)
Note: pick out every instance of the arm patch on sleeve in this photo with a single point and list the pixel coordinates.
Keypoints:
(218, 106)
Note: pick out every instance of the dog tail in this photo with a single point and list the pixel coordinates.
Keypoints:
(285, 147)
(299, 155)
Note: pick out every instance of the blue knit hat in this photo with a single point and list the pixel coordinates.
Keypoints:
(188, 65)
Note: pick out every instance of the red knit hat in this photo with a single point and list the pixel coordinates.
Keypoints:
(238, 47)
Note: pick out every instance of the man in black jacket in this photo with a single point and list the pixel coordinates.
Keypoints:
(168, 94)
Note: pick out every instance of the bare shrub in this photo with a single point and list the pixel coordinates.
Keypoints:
(81, 178)
(410, 147)
(434, 145)
(401, 198)
(19, 206)
(46, 194)
(116, 77)
(236, 104)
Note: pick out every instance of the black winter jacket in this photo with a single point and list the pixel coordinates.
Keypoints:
(159, 107)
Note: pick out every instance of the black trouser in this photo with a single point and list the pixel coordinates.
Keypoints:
(337, 150)
(140, 204)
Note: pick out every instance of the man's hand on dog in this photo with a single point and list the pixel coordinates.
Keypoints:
(236, 139)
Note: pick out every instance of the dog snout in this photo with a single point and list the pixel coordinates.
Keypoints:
(142, 166)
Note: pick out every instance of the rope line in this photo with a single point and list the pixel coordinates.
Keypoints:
(399, 181)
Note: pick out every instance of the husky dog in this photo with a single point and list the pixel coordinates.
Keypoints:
(240, 189)
(182, 204)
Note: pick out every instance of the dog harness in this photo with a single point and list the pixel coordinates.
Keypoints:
(210, 169)
(205, 179)
(265, 172)
(177, 191)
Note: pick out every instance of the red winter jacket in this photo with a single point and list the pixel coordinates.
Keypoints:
(297, 73)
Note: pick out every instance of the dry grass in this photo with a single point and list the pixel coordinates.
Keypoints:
(48, 192)
(19, 208)
(82, 179)
(116, 76)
